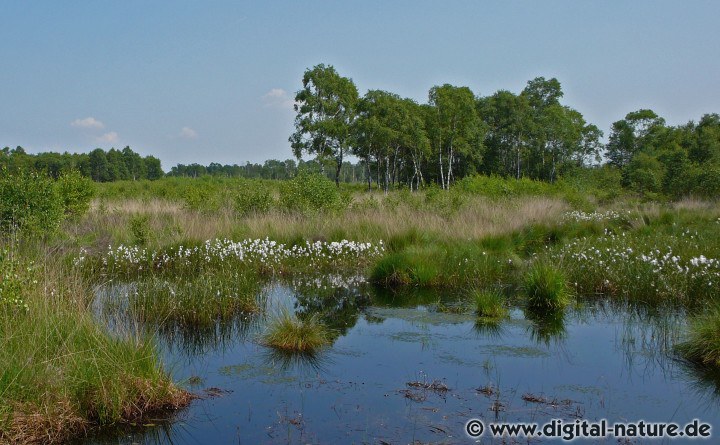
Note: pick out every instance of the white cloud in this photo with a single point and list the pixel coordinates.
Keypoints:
(188, 133)
(277, 98)
(88, 122)
(108, 138)
(275, 93)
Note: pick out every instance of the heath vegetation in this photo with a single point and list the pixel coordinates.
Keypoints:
(505, 191)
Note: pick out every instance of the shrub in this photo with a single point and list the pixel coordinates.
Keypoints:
(546, 288)
(76, 191)
(287, 332)
(14, 280)
(497, 187)
(140, 229)
(312, 192)
(252, 197)
(445, 202)
(29, 204)
(201, 196)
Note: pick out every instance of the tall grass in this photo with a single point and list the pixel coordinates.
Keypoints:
(444, 264)
(195, 301)
(61, 372)
(702, 345)
(546, 288)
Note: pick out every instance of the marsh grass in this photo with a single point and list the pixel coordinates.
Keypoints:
(702, 345)
(671, 257)
(287, 332)
(546, 288)
(62, 373)
(196, 301)
(447, 264)
(489, 304)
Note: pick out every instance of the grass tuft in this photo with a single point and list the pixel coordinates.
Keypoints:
(703, 341)
(546, 288)
(489, 304)
(287, 332)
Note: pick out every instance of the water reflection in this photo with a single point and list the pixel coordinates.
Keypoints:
(384, 338)
(301, 362)
(338, 308)
(547, 327)
(490, 328)
(195, 341)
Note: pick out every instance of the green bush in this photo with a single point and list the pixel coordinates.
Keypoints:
(29, 205)
(252, 197)
(445, 202)
(76, 192)
(312, 192)
(497, 187)
(140, 229)
(705, 182)
(14, 280)
(201, 196)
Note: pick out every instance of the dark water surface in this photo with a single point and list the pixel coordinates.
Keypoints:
(600, 360)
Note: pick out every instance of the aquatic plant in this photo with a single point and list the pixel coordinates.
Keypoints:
(287, 332)
(546, 288)
(257, 253)
(702, 345)
(675, 264)
(489, 304)
(446, 264)
(197, 301)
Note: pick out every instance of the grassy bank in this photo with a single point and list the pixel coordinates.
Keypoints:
(61, 373)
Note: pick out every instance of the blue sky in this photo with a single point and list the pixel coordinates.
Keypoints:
(202, 81)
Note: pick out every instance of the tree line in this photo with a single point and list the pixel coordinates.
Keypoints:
(527, 134)
(125, 164)
(399, 142)
(99, 165)
(270, 169)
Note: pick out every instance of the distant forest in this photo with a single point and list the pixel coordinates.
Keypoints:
(125, 164)
(399, 142)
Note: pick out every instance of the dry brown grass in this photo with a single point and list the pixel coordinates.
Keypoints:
(171, 223)
(50, 425)
(60, 422)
